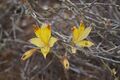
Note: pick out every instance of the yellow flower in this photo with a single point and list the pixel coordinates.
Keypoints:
(43, 39)
(65, 63)
(78, 36)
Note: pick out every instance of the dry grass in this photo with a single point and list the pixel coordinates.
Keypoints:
(100, 62)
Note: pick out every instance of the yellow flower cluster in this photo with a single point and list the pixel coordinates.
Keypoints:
(44, 40)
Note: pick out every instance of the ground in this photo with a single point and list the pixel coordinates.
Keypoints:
(99, 62)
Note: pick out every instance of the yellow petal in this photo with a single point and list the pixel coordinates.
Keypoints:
(85, 33)
(75, 34)
(45, 33)
(84, 43)
(81, 29)
(37, 30)
(37, 42)
(52, 41)
(28, 54)
(73, 49)
(65, 63)
(45, 51)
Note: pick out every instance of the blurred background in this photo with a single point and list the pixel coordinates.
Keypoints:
(99, 62)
